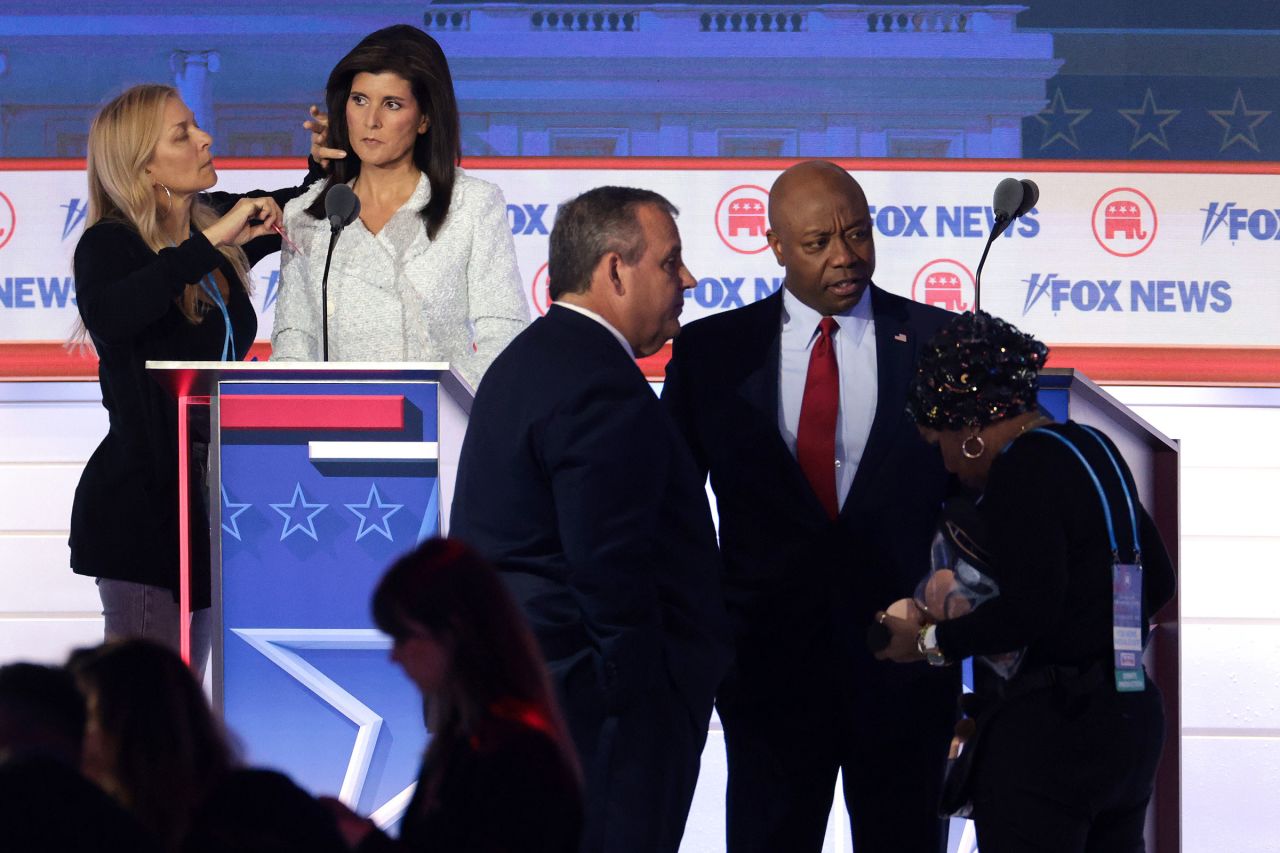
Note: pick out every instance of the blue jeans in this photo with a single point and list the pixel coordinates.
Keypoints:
(141, 610)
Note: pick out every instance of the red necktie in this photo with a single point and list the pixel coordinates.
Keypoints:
(816, 435)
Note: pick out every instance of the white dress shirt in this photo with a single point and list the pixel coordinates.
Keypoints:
(855, 346)
(398, 295)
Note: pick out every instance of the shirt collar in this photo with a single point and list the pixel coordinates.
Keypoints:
(853, 323)
(587, 312)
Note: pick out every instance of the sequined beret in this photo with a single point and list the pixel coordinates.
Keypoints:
(976, 370)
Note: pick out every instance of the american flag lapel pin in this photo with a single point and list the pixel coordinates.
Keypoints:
(901, 337)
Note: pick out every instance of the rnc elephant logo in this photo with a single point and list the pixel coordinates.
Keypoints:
(742, 219)
(1124, 222)
(8, 220)
(540, 290)
(945, 283)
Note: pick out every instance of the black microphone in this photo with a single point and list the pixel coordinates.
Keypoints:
(1030, 195)
(341, 206)
(1004, 204)
(1012, 199)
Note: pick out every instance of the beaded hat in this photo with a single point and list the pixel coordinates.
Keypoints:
(976, 370)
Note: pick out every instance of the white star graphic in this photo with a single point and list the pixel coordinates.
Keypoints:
(277, 645)
(234, 529)
(376, 506)
(290, 523)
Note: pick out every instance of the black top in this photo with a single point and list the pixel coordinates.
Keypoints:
(124, 521)
(509, 789)
(1051, 555)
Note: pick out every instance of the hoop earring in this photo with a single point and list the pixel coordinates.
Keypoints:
(168, 194)
(973, 454)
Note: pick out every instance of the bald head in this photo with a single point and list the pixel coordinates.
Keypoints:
(820, 231)
(801, 182)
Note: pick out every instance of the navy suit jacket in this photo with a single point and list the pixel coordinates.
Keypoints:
(800, 588)
(575, 482)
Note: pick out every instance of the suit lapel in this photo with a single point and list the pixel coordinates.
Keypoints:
(759, 387)
(895, 343)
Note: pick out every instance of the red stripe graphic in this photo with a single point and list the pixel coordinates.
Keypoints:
(305, 411)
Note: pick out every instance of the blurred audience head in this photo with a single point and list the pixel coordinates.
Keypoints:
(460, 636)
(151, 740)
(41, 711)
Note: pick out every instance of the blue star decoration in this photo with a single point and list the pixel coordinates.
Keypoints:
(294, 510)
(230, 512)
(373, 506)
(1240, 123)
(1060, 122)
(1149, 122)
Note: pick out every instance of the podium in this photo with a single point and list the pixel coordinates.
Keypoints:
(1153, 459)
(320, 475)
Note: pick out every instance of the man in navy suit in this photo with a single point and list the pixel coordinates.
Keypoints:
(576, 483)
(827, 499)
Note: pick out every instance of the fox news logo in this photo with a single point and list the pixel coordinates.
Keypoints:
(726, 291)
(76, 212)
(945, 221)
(8, 220)
(1156, 296)
(1260, 224)
(37, 291)
(528, 219)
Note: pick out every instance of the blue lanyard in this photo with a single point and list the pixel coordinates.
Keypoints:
(210, 288)
(1106, 505)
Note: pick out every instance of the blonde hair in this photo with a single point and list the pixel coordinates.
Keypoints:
(122, 141)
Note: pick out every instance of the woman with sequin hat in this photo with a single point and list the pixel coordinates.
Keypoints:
(1068, 743)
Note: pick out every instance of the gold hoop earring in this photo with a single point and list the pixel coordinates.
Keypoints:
(970, 453)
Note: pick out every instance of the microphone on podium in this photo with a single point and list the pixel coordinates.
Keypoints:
(341, 206)
(1012, 199)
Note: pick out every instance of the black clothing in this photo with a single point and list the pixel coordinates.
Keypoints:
(574, 482)
(46, 805)
(261, 811)
(1050, 554)
(124, 520)
(1068, 767)
(509, 789)
(1063, 773)
(805, 698)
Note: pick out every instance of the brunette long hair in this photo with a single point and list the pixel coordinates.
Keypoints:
(445, 587)
(151, 741)
(416, 57)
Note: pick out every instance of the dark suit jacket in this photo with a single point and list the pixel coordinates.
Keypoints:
(802, 589)
(575, 482)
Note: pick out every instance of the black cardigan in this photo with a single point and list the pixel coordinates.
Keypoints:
(124, 520)
(1051, 556)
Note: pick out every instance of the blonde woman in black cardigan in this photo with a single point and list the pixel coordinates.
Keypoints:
(161, 274)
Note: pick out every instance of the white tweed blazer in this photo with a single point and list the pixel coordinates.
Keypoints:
(398, 296)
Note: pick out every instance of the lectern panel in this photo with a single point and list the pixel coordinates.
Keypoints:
(322, 486)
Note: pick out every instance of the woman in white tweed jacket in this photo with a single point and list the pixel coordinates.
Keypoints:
(428, 272)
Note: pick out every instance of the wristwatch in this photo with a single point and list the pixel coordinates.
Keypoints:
(927, 644)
